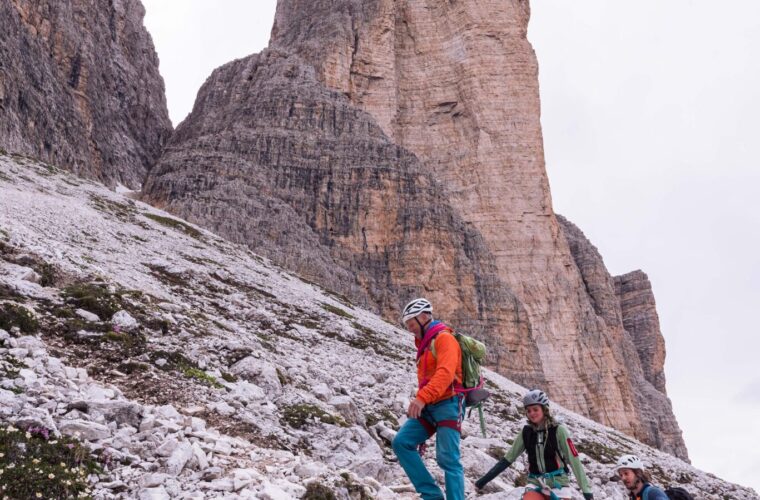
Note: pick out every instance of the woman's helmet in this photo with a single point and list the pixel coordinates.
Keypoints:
(535, 397)
(415, 308)
(629, 462)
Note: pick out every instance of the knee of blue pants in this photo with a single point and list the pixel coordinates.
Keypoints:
(396, 444)
(401, 442)
(447, 450)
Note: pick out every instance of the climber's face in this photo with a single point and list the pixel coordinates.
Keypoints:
(535, 414)
(629, 478)
(417, 325)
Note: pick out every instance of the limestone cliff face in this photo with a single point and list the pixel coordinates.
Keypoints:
(271, 158)
(627, 302)
(80, 88)
(641, 321)
(456, 84)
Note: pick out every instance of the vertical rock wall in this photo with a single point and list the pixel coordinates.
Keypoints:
(80, 88)
(456, 84)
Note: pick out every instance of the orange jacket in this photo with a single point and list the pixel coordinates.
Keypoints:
(437, 374)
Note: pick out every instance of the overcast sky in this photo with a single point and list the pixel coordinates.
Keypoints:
(650, 115)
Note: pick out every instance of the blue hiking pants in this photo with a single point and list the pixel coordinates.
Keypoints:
(413, 433)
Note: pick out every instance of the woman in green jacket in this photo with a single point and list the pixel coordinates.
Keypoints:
(550, 451)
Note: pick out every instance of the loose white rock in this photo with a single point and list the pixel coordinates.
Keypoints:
(124, 321)
(87, 315)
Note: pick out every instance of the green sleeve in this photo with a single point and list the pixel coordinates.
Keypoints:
(517, 448)
(563, 442)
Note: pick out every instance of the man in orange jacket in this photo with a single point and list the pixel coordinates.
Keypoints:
(437, 409)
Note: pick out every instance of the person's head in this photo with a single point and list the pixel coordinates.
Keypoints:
(630, 470)
(417, 315)
(536, 404)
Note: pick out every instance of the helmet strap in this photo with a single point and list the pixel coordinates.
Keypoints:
(422, 327)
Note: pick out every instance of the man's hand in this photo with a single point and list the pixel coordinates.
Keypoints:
(415, 408)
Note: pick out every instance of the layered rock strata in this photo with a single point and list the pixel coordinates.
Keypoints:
(641, 321)
(456, 83)
(80, 88)
(271, 158)
(626, 303)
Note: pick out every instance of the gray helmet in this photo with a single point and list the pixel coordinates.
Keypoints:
(629, 462)
(415, 308)
(535, 397)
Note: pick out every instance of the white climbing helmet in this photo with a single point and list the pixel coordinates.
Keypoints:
(535, 397)
(629, 462)
(415, 308)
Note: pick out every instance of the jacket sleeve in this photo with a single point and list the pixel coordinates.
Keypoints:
(518, 447)
(448, 358)
(570, 454)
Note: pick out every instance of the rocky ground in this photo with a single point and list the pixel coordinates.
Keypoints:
(189, 367)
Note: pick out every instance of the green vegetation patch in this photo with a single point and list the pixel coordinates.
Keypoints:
(128, 340)
(239, 285)
(34, 464)
(318, 491)
(599, 452)
(201, 376)
(133, 367)
(299, 416)
(336, 310)
(48, 274)
(175, 224)
(384, 415)
(93, 297)
(167, 277)
(46, 170)
(175, 361)
(355, 490)
(497, 452)
(282, 377)
(9, 367)
(14, 315)
(123, 212)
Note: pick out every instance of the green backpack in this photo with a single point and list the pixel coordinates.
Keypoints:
(473, 356)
